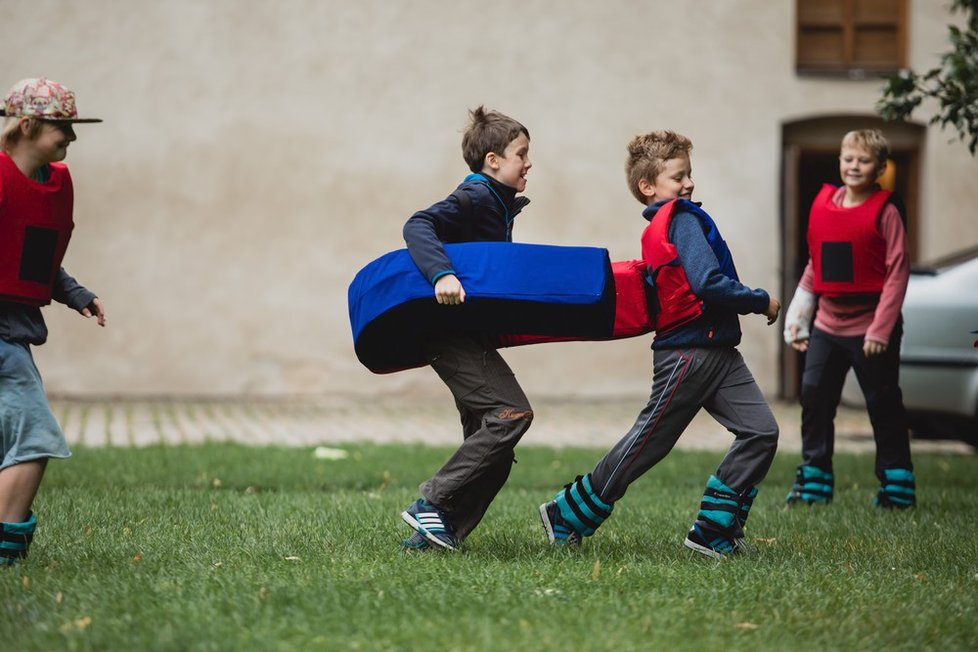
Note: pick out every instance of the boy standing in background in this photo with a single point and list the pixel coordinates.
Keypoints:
(857, 272)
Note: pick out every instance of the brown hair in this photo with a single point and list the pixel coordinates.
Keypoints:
(648, 152)
(488, 131)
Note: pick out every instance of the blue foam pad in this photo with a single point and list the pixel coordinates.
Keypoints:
(509, 288)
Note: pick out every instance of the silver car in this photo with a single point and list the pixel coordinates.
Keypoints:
(939, 358)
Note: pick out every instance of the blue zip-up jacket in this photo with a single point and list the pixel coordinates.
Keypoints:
(489, 218)
(723, 296)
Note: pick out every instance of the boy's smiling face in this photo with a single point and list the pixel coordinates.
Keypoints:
(511, 166)
(674, 181)
(51, 143)
(858, 168)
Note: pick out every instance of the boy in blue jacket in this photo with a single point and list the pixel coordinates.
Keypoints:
(695, 363)
(493, 408)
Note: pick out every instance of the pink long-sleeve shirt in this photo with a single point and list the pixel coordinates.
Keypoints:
(854, 316)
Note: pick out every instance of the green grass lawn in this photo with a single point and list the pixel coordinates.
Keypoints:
(223, 547)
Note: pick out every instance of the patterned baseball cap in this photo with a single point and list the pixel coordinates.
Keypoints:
(44, 99)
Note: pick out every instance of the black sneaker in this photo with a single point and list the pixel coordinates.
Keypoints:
(709, 542)
(558, 531)
(416, 543)
(431, 523)
(740, 542)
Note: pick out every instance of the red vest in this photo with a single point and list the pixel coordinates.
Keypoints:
(677, 303)
(35, 226)
(847, 250)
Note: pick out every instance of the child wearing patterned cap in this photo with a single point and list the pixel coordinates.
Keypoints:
(36, 202)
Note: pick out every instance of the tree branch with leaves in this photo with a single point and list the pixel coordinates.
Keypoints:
(953, 84)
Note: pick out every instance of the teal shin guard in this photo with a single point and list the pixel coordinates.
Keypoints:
(15, 539)
(581, 507)
(746, 500)
(812, 486)
(716, 529)
(898, 489)
(721, 506)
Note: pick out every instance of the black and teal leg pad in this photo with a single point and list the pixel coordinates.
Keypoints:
(745, 501)
(898, 489)
(15, 539)
(812, 485)
(716, 527)
(720, 507)
(581, 507)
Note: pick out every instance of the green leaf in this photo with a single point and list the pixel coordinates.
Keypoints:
(953, 84)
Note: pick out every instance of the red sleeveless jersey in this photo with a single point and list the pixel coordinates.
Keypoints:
(35, 226)
(677, 303)
(847, 250)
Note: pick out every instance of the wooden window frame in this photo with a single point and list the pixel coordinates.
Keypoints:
(848, 29)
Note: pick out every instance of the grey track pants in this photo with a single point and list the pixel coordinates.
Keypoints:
(684, 381)
(494, 412)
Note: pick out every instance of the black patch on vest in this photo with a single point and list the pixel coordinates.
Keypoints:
(837, 262)
(37, 259)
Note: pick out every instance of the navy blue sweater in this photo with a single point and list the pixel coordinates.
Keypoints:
(20, 322)
(723, 297)
(488, 218)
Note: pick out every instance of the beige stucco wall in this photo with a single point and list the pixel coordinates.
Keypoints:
(255, 155)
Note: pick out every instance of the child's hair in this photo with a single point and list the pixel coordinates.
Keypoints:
(11, 131)
(647, 154)
(488, 131)
(871, 140)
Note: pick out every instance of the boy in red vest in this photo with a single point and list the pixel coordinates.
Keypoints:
(857, 272)
(695, 363)
(35, 225)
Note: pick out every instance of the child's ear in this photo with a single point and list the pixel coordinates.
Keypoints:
(647, 188)
(492, 161)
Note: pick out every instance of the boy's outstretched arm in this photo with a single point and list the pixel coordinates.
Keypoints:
(704, 275)
(77, 297)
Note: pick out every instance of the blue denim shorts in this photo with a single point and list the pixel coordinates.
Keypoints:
(28, 429)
